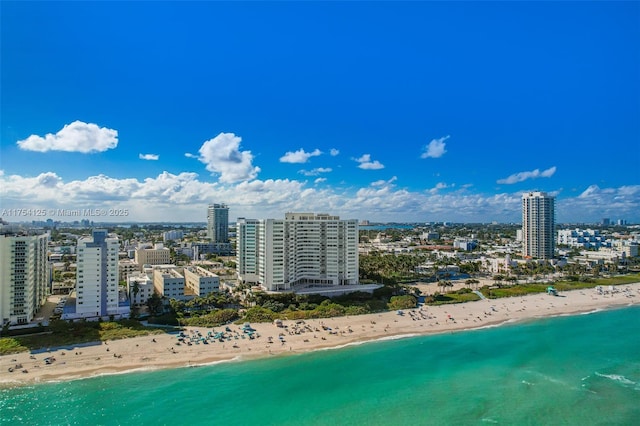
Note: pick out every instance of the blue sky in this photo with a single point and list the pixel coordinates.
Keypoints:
(386, 111)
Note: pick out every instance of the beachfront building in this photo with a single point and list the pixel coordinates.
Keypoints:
(158, 255)
(97, 292)
(302, 251)
(200, 282)
(218, 223)
(169, 283)
(538, 225)
(140, 288)
(23, 274)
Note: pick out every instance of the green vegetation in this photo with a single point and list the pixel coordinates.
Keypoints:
(460, 296)
(62, 333)
(573, 283)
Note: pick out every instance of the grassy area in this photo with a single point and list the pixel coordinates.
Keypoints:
(62, 333)
(443, 299)
(524, 289)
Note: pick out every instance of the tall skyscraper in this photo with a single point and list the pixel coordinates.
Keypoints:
(538, 225)
(303, 249)
(218, 223)
(97, 275)
(23, 275)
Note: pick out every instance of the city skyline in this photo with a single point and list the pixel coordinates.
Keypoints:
(387, 112)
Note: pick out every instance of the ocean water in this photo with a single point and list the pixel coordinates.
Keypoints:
(573, 370)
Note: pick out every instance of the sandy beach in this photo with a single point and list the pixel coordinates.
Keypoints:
(166, 351)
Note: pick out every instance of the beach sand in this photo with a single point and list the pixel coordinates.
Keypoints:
(163, 350)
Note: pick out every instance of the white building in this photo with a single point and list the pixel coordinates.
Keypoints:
(538, 225)
(144, 286)
(23, 275)
(159, 255)
(303, 250)
(200, 282)
(168, 282)
(582, 238)
(127, 267)
(97, 293)
(172, 235)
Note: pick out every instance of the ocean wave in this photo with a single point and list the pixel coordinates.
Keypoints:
(617, 378)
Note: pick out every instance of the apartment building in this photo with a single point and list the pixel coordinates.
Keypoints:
(303, 250)
(169, 283)
(200, 282)
(218, 223)
(97, 292)
(140, 288)
(158, 255)
(23, 275)
(538, 225)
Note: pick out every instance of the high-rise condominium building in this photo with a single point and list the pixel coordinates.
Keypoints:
(23, 275)
(97, 275)
(218, 223)
(304, 249)
(538, 225)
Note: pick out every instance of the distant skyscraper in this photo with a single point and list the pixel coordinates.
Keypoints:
(538, 223)
(23, 275)
(218, 223)
(97, 275)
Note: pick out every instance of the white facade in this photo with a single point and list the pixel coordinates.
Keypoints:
(168, 282)
(127, 267)
(200, 282)
(304, 249)
(584, 238)
(144, 286)
(97, 275)
(172, 235)
(23, 276)
(538, 225)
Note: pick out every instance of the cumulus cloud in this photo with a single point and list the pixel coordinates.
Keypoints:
(319, 180)
(439, 186)
(222, 156)
(522, 176)
(333, 152)
(74, 137)
(316, 171)
(299, 156)
(184, 197)
(367, 164)
(435, 148)
(151, 157)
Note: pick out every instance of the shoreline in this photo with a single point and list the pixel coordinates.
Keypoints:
(156, 352)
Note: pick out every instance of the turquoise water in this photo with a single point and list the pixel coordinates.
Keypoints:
(578, 370)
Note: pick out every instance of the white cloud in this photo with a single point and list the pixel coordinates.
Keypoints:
(74, 137)
(333, 152)
(299, 156)
(522, 176)
(316, 171)
(190, 155)
(436, 148)
(152, 157)
(222, 156)
(367, 164)
(439, 186)
(319, 180)
(184, 197)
